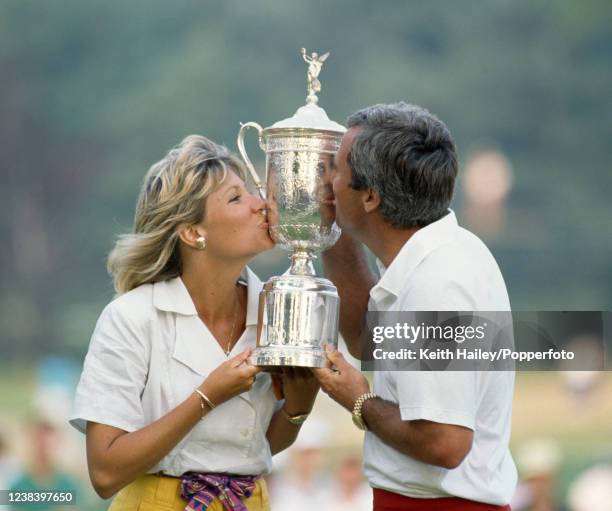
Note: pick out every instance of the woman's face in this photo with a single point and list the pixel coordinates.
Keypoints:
(236, 224)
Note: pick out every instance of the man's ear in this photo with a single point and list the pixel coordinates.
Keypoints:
(370, 200)
(189, 233)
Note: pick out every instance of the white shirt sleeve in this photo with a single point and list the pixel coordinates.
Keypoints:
(446, 397)
(115, 372)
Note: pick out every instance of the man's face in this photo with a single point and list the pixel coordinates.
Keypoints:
(349, 210)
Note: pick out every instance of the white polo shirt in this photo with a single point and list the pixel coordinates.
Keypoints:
(148, 353)
(444, 267)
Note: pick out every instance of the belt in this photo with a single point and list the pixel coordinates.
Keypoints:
(389, 501)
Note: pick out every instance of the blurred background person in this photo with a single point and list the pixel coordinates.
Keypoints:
(349, 489)
(592, 490)
(9, 465)
(582, 386)
(299, 483)
(487, 182)
(41, 472)
(538, 462)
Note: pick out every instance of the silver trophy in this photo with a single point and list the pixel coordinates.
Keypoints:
(298, 311)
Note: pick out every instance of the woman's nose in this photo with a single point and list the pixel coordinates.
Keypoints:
(258, 204)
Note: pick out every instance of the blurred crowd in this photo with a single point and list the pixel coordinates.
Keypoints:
(312, 474)
(322, 470)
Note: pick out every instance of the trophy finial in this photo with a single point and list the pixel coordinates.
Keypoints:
(315, 63)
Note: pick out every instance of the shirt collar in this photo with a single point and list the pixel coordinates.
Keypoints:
(417, 248)
(172, 296)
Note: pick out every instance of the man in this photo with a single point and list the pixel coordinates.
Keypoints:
(434, 440)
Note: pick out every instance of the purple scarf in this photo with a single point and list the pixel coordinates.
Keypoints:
(199, 490)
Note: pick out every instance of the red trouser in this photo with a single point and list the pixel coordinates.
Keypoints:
(389, 501)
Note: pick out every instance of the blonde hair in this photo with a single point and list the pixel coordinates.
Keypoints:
(173, 193)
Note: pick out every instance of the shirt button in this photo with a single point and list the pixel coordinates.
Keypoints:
(244, 433)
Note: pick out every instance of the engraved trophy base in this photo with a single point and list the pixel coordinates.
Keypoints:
(298, 315)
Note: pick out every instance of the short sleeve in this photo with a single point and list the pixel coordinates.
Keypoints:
(114, 374)
(446, 397)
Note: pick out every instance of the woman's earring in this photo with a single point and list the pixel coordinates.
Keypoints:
(201, 243)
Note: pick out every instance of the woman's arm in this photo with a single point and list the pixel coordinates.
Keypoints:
(281, 433)
(300, 388)
(115, 457)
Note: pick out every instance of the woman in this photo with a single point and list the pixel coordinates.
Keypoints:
(173, 412)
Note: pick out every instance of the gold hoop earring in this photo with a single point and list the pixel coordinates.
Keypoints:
(201, 243)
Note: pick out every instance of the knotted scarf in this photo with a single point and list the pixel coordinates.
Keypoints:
(199, 490)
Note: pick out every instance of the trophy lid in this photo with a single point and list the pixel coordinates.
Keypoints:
(310, 116)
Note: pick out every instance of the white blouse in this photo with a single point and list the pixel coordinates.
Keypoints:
(148, 353)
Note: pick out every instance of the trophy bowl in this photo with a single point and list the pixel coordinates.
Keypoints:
(297, 163)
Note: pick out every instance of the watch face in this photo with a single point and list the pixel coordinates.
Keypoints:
(358, 421)
(298, 419)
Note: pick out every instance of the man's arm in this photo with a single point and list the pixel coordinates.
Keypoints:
(443, 445)
(346, 265)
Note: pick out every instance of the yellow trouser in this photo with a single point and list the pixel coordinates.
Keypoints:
(161, 493)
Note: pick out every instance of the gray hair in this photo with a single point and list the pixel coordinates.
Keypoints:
(406, 155)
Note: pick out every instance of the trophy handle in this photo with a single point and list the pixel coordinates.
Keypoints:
(247, 161)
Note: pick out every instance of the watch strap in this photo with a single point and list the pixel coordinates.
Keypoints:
(357, 409)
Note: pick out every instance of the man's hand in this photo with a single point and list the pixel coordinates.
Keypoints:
(343, 383)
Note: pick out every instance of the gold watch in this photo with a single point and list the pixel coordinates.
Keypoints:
(357, 417)
(298, 420)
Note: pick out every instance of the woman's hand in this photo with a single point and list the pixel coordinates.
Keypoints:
(117, 457)
(231, 378)
(299, 388)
